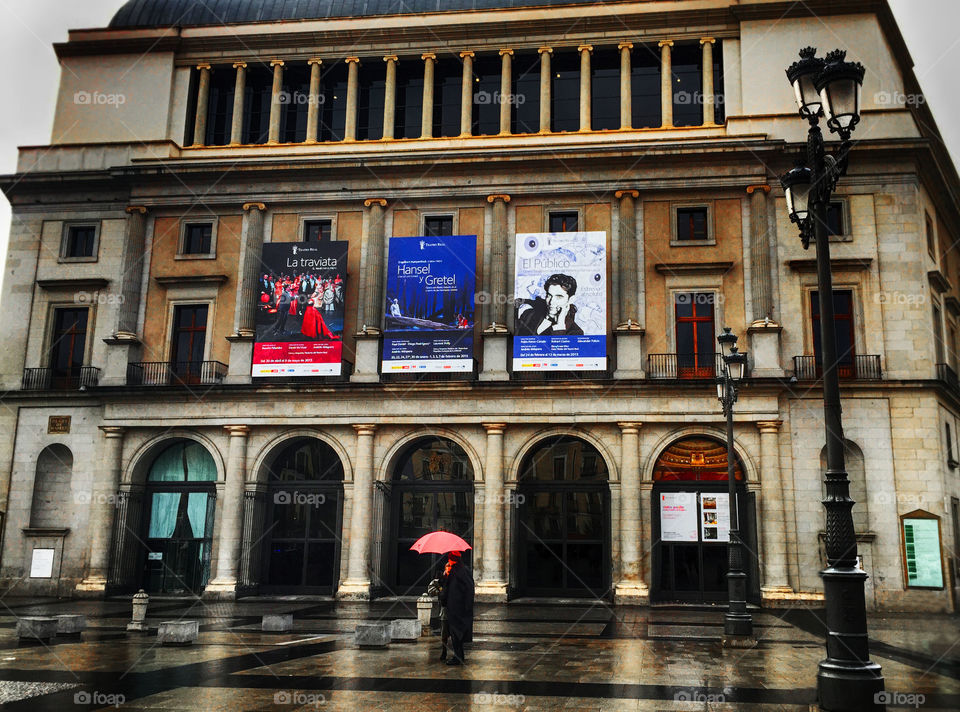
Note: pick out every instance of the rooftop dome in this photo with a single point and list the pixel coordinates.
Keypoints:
(169, 13)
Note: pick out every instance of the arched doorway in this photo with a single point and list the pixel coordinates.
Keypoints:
(691, 522)
(562, 531)
(304, 509)
(180, 499)
(432, 491)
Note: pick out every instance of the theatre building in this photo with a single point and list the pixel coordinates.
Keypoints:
(295, 283)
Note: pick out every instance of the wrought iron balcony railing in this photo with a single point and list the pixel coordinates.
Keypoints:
(175, 373)
(863, 367)
(55, 379)
(948, 376)
(684, 366)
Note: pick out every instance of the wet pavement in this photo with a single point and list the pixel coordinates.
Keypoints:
(526, 656)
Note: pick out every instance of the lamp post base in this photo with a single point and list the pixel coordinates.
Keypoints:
(842, 687)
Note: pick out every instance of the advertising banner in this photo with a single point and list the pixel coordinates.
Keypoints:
(715, 516)
(429, 309)
(678, 516)
(300, 291)
(561, 302)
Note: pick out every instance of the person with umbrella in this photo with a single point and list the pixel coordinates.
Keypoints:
(456, 595)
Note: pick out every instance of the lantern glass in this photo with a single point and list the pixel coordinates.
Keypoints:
(736, 365)
(798, 200)
(808, 99)
(721, 389)
(841, 103)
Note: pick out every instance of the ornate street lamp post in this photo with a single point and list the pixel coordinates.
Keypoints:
(737, 623)
(846, 678)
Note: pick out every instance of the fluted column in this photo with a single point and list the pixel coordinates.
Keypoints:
(313, 106)
(630, 588)
(760, 278)
(390, 96)
(498, 264)
(772, 522)
(708, 114)
(585, 94)
(251, 238)
(373, 298)
(493, 586)
(546, 79)
(203, 101)
(626, 87)
(506, 89)
(103, 509)
(239, 89)
(357, 584)
(350, 118)
(275, 105)
(466, 95)
(666, 84)
(426, 115)
(224, 585)
(131, 278)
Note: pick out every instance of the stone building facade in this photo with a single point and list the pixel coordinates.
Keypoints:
(185, 140)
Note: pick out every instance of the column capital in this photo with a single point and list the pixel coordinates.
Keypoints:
(665, 43)
(314, 60)
(276, 62)
(506, 51)
(585, 48)
(112, 431)
(254, 206)
(365, 428)
(237, 431)
(390, 58)
(467, 53)
(769, 426)
(428, 55)
(382, 202)
(239, 65)
(136, 209)
(204, 65)
(631, 192)
(494, 428)
(545, 50)
(625, 45)
(707, 40)
(498, 196)
(628, 428)
(350, 60)
(760, 186)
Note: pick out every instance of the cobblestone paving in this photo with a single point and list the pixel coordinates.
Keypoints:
(525, 657)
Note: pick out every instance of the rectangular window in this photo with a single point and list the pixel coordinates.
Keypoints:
(719, 112)
(370, 97)
(68, 343)
(937, 334)
(333, 108)
(197, 239)
(687, 83)
(486, 96)
(188, 342)
(526, 90)
(605, 90)
(256, 104)
(952, 347)
(931, 243)
(844, 328)
(409, 99)
(692, 224)
(645, 87)
(448, 78)
(835, 218)
(294, 103)
(317, 230)
(565, 97)
(80, 241)
(438, 225)
(220, 106)
(696, 347)
(951, 460)
(564, 221)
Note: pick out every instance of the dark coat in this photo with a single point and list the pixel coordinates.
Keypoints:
(457, 597)
(530, 319)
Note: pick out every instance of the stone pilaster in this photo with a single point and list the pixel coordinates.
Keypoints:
(124, 343)
(630, 589)
(367, 360)
(357, 584)
(666, 84)
(224, 584)
(390, 96)
(626, 88)
(203, 102)
(353, 84)
(506, 89)
(103, 509)
(239, 89)
(466, 95)
(275, 105)
(493, 586)
(585, 92)
(546, 84)
(313, 107)
(495, 334)
(244, 313)
(775, 586)
(426, 115)
(764, 332)
(629, 333)
(706, 45)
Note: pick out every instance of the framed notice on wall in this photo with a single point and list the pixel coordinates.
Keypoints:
(678, 516)
(922, 555)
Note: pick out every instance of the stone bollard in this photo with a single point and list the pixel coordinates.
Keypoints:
(276, 622)
(372, 635)
(424, 613)
(178, 632)
(36, 628)
(72, 625)
(405, 630)
(140, 601)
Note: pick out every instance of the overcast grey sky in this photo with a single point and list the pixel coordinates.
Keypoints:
(28, 29)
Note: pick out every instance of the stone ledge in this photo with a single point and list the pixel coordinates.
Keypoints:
(785, 597)
(631, 594)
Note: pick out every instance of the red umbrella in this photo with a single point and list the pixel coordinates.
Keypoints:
(439, 543)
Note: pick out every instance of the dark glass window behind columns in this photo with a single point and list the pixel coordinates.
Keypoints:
(220, 106)
(333, 110)
(295, 103)
(526, 84)
(409, 97)
(448, 75)
(256, 103)
(645, 86)
(565, 98)
(370, 97)
(605, 89)
(486, 95)
(687, 82)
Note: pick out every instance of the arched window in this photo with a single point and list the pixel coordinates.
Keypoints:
(185, 461)
(563, 459)
(51, 486)
(434, 459)
(306, 460)
(695, 458)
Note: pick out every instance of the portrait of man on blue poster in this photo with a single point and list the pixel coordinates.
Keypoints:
(560, 302)
(429, 307)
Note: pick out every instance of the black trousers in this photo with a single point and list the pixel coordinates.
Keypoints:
(456, 645)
